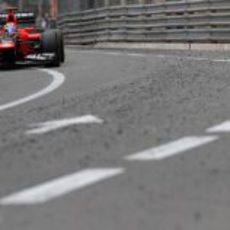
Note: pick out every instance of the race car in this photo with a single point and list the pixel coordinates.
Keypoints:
(20, 41)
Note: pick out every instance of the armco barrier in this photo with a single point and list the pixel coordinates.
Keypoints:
(191, 21)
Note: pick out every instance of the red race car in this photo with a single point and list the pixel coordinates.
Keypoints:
(21, 42)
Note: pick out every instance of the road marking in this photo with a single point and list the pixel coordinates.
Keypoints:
(49, 126)
(222, 128)
(110, 53)
(221, 60)
(172, 148)
(193, 58)
(97, 52)
(157, 56)
(114, 53)
(58, 80)
(60, 187)
(123, 54)
(135, 55)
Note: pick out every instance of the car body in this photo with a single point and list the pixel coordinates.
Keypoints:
(21, 41)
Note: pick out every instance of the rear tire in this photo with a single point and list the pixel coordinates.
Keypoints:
(51, 44)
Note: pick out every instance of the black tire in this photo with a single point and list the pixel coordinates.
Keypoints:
(61, 44)
(51, 44)
(9, 57)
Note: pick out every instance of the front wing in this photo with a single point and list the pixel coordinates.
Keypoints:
(40, 57)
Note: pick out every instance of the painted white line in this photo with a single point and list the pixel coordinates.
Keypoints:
(149, 54)
(58, 80)
(109, 53)
(123, 54)
(114, 53)
(135, 55)
(222, 60)
(49, 126)
(60, 187)
(172, 148)
(222, 128)
(194, 58)
(184, 57)
(97, 52)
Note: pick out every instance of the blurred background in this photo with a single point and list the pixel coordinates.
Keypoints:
(53, 7)
(48, 10)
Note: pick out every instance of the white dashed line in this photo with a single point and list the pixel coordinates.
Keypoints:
(58, 80)
(172, 148)
(222, 128)
(60, 187)
(49, 126)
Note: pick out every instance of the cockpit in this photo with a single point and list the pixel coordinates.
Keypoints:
(10, 29)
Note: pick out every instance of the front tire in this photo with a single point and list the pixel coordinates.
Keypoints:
(51, 44)
(9, 58)
(61, 44)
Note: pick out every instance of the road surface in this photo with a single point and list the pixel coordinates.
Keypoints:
(117, 140)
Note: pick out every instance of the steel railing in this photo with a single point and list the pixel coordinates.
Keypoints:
(197, 21)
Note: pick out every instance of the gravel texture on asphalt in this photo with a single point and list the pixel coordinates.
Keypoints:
(144, 102)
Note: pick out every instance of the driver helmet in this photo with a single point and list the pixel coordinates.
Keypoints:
(11, 29)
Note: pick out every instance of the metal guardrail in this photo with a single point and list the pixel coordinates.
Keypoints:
(197, 21)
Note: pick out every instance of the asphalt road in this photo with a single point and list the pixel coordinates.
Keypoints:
(151, 162)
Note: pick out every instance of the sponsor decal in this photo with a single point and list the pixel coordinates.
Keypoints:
(41, 57)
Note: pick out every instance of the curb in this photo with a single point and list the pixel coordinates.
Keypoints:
(167, 46)
(158, 46)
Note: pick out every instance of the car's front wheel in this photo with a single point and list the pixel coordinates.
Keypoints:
(51, 44)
